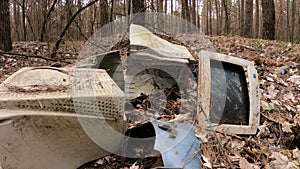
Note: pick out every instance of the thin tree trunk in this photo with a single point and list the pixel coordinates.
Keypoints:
(293, 20)
(217, 16)
(104, 12)
(159, 8)
(138, 6)
(17, 20)
(242, 21)
(172, 7)
(257, 18)
(248, 18)
(193, 11)
(24, 20)
(207, 19)
(288, 20)
(197, 14)
(227, 24)
(43, 31)
(5, 32)
(185, 15)
(210, 18)
(112, 10)
(187, 12)
(268, 16)
(298, 22)
(166, 6)
(281, 22)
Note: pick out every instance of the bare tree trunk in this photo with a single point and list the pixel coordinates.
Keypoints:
(166, 6)
(129, 7)
(138, 6)
(17, 20)
(248, 18)
(172, 7)
(217, 16)
(210, 17)
(206, 18)
(288, 20)
(43, 31)
(281, 22)
(185, 15)
(193, 11)
(112, 10)
(293, 20)
(227, 24)
(197, 14)
(24, 20)
(268, 16)
(257, 18)
(5, 33)
(298, 22)
(187, 12)
(242, 21)
(160, 6)
(90, 20)
(104, 12)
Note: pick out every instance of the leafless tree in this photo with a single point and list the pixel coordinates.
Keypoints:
(5, 33)
(268, 12)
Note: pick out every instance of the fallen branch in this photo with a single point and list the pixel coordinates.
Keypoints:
(34, 56)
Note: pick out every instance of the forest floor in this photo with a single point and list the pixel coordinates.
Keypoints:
(277, 143)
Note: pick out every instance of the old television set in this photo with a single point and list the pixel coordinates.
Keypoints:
(228, 93)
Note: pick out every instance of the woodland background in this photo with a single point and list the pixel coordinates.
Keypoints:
(76, 20)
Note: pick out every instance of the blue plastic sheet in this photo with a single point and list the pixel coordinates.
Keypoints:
(182, 151)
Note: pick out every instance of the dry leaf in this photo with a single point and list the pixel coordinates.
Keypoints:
(298, 108)
(134, 166)
(286, 127)
(263, 129)
(100, 162)
(281, 161)
(234, 157)
(269, 79)
(296, 154)
(297, 118)
(244, 164)
(206, 162)
(201, 134)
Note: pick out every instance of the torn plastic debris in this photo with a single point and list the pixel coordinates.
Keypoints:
(180, 150)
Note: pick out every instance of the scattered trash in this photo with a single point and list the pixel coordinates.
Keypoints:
(41, 118)
(284, 70)
(180, 151)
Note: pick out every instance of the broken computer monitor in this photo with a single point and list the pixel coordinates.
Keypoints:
(228, 93)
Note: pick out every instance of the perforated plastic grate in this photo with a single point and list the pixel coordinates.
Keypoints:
(84, 91)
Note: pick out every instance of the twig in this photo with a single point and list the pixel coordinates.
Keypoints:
(232, 135)
(34, 56)
(270, 119)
